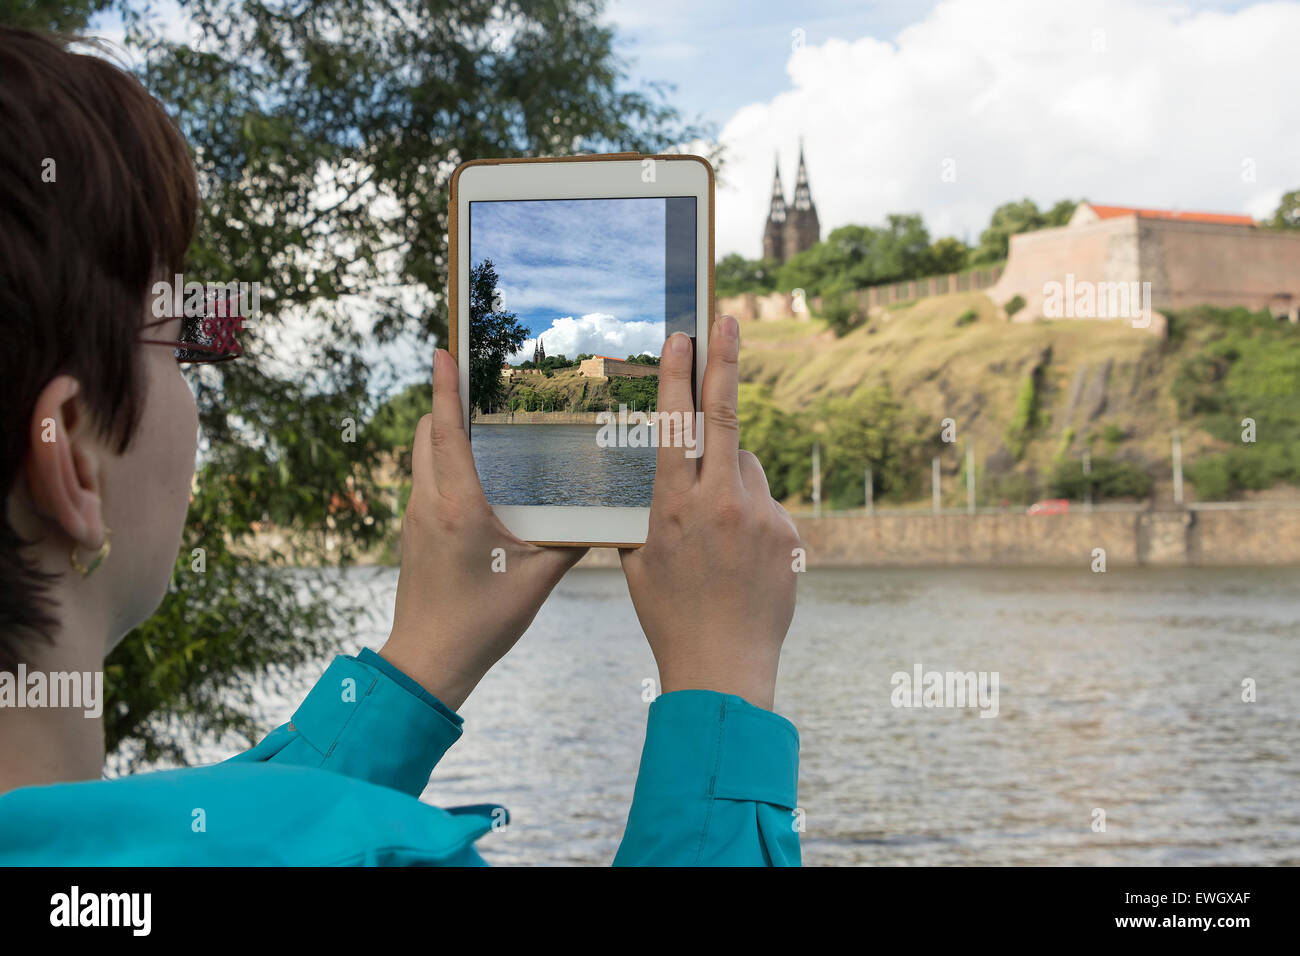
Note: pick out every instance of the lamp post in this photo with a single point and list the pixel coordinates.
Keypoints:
(817, 480)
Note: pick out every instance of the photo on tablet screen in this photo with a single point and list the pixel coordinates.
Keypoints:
(570, 301)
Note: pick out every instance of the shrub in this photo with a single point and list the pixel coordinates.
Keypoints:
(840, 312)
(1109, 479)
(1013, 488)
(1067, 439)
(1025, 418)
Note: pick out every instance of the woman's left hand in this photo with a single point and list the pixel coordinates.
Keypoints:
(468, 588)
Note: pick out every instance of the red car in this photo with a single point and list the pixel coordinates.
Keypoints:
(1049, 506)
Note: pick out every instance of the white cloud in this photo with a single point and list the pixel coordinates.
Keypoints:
(598, 333)
(1121, 102)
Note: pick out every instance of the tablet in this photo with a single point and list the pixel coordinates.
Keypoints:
(566, 276)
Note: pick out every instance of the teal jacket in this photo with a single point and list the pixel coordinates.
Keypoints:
(339, 785)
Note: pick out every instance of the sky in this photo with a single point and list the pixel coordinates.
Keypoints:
(588, 275)
(949, 108)
(1189, 106)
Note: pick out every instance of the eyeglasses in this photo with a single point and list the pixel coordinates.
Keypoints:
(205, 338)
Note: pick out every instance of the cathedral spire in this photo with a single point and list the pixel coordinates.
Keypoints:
(777, 210)
(802, 193)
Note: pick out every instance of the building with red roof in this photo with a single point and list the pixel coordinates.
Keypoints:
(1087, 212)
(1163, 259)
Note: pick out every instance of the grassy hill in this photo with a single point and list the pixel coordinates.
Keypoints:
(1029, 397)
(1032, 396)
(567, 390)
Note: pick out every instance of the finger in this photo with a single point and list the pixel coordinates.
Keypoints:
(718, 401)
(453, 461)
(675, 471)
(422, 453)
(753, 477)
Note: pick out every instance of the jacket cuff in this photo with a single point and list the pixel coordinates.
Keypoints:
(717, 785)
(380, 663)
(364, 722)
(702, 743)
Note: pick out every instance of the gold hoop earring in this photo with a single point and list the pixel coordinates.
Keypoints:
(96, 561)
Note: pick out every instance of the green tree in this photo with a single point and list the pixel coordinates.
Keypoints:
(946, 255)
(63, 17)
(1239, 382)
(735, 274)
(871, 429)
(324, 135)
(554, 363)
(1108, 479)
(1287, 214)
(834, 263)
(393, 424)
(841, 311)
(1014, 217)
(778, 437)
(854, 257)
(900, 250)
(493, 337)
(638, 394)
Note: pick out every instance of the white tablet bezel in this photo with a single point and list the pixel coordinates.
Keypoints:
(595, 179)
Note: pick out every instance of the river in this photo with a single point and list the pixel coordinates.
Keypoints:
(1119, 692)
(560, 465)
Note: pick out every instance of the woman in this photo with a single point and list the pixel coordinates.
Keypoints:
(97, 442)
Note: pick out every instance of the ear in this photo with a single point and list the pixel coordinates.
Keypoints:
(62, 467)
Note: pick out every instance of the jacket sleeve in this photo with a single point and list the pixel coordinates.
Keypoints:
(717, 786)
(368, 720)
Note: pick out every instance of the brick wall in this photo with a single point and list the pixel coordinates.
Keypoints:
(1104, 251)
(602, 367)
(1187, 264)
(1191, 263)
(1263, 536)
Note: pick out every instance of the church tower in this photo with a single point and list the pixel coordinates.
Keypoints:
(802, 228)
(791, 229)
(774, 231)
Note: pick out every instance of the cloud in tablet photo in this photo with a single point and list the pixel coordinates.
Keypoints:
(595, 334)
(586, 275)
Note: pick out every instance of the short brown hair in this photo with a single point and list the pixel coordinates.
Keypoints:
(98, 197)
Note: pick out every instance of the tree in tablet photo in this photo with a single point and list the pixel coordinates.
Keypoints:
(493, 336)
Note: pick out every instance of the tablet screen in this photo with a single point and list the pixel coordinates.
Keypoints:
(570, 302)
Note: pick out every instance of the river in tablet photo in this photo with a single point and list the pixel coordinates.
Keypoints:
(1119, 701)
(558, 464)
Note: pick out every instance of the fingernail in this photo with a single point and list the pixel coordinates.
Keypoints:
(442, 362)
(728, 328)
(679, 343)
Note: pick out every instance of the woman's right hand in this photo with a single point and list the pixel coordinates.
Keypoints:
(714, 584)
